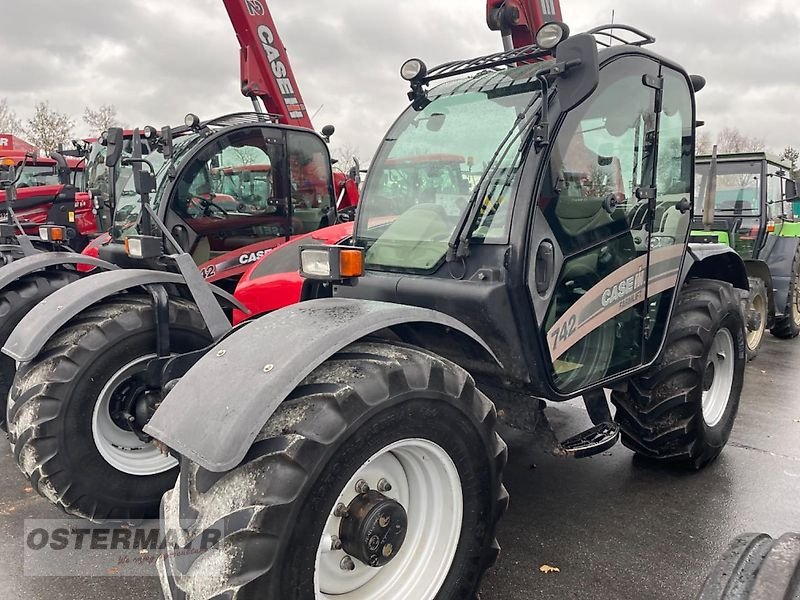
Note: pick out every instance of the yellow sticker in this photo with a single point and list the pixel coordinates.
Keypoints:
(71, 216)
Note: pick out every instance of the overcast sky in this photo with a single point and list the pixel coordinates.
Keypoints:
(156, 60)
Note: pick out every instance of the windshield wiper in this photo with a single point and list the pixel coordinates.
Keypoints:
(458, 245)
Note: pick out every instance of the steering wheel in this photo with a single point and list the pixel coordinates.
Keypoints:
(207, 204)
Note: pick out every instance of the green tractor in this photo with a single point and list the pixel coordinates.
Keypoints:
(746, 201)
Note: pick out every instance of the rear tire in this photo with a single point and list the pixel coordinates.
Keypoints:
(62, 406)
(756, 311)
(682, 408)
(276, 508)
(16, 300)
(788, 325)
(756, 567)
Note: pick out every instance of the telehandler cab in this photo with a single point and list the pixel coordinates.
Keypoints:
(83, 390)
(358, 457)
(745, 201)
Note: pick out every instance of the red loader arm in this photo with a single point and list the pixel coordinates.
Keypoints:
(265, 69)
(519, 20)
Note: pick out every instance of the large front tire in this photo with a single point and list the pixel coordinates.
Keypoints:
(683, 407)
(756, 567)
(16, 300)
(65, 411)
(373, 411)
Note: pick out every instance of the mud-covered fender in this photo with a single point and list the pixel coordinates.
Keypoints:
(779, 253)
(47, 317)
(715, 261)
(758, 269)
(213, 414)
(30, 264)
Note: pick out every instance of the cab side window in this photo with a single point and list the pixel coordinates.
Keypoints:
(603, 153)
(310, 181)
(226, 193)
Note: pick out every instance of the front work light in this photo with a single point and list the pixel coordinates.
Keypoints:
(53, 233)
(143, 246)
(413, 69)
(192, 120)
(331, 263)
(551, 35)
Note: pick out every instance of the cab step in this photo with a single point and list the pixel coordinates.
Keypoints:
(593, 441)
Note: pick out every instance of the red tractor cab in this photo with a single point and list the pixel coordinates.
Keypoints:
(50, 190)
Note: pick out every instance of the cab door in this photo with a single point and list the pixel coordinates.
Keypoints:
(250, 188)
(594, 211)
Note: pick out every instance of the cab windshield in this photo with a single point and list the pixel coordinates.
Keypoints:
(35, 176)
(129, 202)
(738, 188)
(431, 163)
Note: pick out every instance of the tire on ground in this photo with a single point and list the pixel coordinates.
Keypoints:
(758, 301)
(52, 402)
(788, 326)
(756, 567)
(660, 412)
(271, 509)
(16, 300)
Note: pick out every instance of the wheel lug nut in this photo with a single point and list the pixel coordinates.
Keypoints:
(384, 486)
(362, 487)
(340, 511)
(336, 543)
(347, 564)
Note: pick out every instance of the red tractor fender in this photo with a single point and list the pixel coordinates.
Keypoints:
(346, 191)
(274, 281)
(93, 249)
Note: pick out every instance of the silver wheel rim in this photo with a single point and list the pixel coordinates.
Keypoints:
(718, 390)
(754, 336)
(119, 447)
(425, 481)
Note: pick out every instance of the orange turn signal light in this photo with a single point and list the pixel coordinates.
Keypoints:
(771, 226)
(53, 233)
(7, 162)
(351, 263)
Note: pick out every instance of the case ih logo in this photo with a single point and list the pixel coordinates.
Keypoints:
(255, 8)
(279, 70)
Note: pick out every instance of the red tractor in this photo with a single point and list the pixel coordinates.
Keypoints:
(50, 190)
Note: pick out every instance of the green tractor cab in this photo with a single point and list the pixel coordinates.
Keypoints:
(752, 204)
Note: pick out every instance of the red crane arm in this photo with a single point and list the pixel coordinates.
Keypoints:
(265, 69)
(519, 20)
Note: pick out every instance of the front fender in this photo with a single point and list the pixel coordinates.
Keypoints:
(213, 414)
(36, 262)
(47, 317)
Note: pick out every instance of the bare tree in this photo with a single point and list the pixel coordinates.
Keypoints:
(731, 139)
(704, 143)
(346, 156)
(9, 123)
(48, 128)
(791, 155)
(101, 119)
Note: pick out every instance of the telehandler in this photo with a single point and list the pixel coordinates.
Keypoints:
(346, 446)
